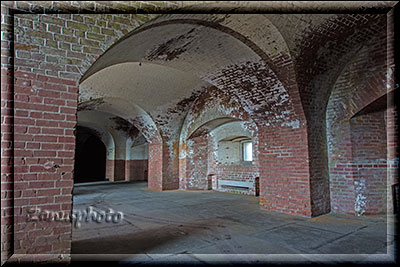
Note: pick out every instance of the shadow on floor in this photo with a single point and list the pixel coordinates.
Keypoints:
(166, 239)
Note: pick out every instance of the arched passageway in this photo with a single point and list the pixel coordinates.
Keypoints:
(90, 160)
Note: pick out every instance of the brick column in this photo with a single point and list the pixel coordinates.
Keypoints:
(284, 170)
(155, 166)
(45, 117)
(197, 163)
(136, 170)
(392, 127)
(7, 145)
(170, 180)
(119, 169)
(110, 169)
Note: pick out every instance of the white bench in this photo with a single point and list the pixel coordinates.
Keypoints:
(236, 184)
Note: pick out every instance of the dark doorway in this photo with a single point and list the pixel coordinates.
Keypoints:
(90, 158)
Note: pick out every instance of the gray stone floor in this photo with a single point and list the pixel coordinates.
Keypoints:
(208, 227)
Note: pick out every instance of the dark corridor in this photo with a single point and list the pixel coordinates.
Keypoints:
(90, 158)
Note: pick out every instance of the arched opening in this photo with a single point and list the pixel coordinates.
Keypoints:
(219, 155)
(360, 146)
(372, 152)
(236, 171)
(90, 159)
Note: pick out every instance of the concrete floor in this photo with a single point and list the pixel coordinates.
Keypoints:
(209, 227)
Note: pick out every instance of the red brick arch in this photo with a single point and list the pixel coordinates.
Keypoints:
(358, 121)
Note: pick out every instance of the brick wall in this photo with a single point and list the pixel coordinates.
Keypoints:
(236, 170)
(110, 169)
(155, 166)
(197, 163)
(357, 130)
(170, 178)
(137, 170)
(368, 139)
(392, 125)
(44, 148)
(7, 145)
(202, 167)
(120, 166)
(315, 82)
(281, 145)
(240, 173)
(284, 173)
(362, 183)
(51, 54)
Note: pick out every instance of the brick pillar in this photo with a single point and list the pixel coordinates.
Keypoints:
(284, 170)
(341, 169)
(392, 127)
(182, 174)
(369, 152)
(136, 170)
(155, 168)
(170, 179)
(45, 117)
(7, 145)
(119, 169)
(318, 164)
(110, 169)
(197, 163)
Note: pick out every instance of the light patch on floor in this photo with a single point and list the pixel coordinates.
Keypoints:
(181, 223)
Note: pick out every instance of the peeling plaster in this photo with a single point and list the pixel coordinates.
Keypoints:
(172, 48)
(360, 201)
(260, 93)
(210, 105)
(147, 127)
(125, 126)
(91, 104)
(294, 124)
